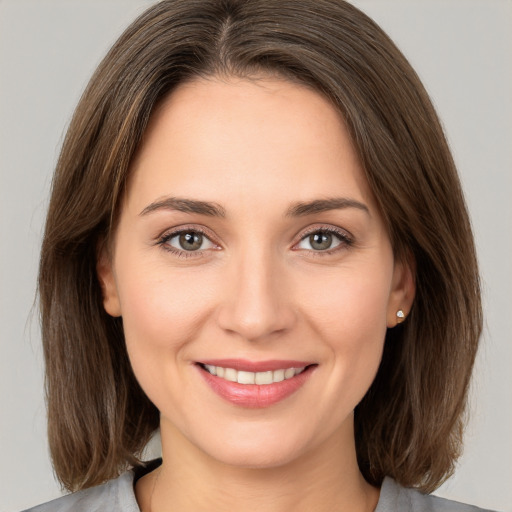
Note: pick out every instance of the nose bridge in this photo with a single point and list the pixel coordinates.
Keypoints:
(256, 304)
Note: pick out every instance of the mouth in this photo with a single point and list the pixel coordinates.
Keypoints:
(247, 377)
(255, 385)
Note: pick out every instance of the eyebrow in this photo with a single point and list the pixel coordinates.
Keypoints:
(186, 206)
(323, 205)
(211, 209)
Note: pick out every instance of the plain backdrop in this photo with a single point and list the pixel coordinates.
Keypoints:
(462, 49)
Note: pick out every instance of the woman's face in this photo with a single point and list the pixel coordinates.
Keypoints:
(250, 249)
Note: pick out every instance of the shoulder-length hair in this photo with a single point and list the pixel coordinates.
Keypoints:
(409, 424)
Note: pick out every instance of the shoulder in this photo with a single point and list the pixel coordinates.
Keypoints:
(115, 496)
(393, 497)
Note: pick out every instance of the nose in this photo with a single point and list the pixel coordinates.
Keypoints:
(257, 303)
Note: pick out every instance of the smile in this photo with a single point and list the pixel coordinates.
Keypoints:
(255, 384)
(260, 378)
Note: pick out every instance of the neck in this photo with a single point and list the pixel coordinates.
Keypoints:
(326, 479)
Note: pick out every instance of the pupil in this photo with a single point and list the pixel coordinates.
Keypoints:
(191, 241)
(320, 241)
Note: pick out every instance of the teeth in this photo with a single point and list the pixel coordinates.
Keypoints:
(278, 375)
(289, 373)
(211, 369)
(245, 377)
(230, 374)
(261, 378)
(264, 378)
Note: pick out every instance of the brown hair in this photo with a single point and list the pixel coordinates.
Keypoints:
(409, 424)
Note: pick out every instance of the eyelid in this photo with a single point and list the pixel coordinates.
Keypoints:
(170, 233)
(345, 237)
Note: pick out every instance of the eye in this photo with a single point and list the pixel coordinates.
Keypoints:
(323, 240)
(189, 240)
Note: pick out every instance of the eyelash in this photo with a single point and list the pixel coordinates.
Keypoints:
(164, 239)
(345, 239)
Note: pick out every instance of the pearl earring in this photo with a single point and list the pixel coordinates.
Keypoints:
(400, 316)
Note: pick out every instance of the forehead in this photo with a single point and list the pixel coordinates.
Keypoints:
(246, 138)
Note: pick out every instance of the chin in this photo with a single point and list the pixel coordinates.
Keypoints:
(256, 456)
(257, 445)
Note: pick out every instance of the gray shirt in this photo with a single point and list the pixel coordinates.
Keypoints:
(119, 496)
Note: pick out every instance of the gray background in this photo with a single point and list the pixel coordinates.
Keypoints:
(462, 50)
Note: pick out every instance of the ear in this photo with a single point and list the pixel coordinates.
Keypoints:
(403, 290)
(106, 278)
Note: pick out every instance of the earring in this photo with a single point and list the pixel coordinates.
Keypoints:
(400, 316)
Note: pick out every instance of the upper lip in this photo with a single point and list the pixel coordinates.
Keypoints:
(256, 366)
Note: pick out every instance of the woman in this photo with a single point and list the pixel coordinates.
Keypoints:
(257, 242)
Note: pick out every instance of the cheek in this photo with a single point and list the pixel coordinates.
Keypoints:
(349, 299)
(349, 315)
(163, 310)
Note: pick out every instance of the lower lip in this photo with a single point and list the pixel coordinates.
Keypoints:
(253, 395)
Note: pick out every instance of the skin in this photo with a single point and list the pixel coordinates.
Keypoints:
(256, 289)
